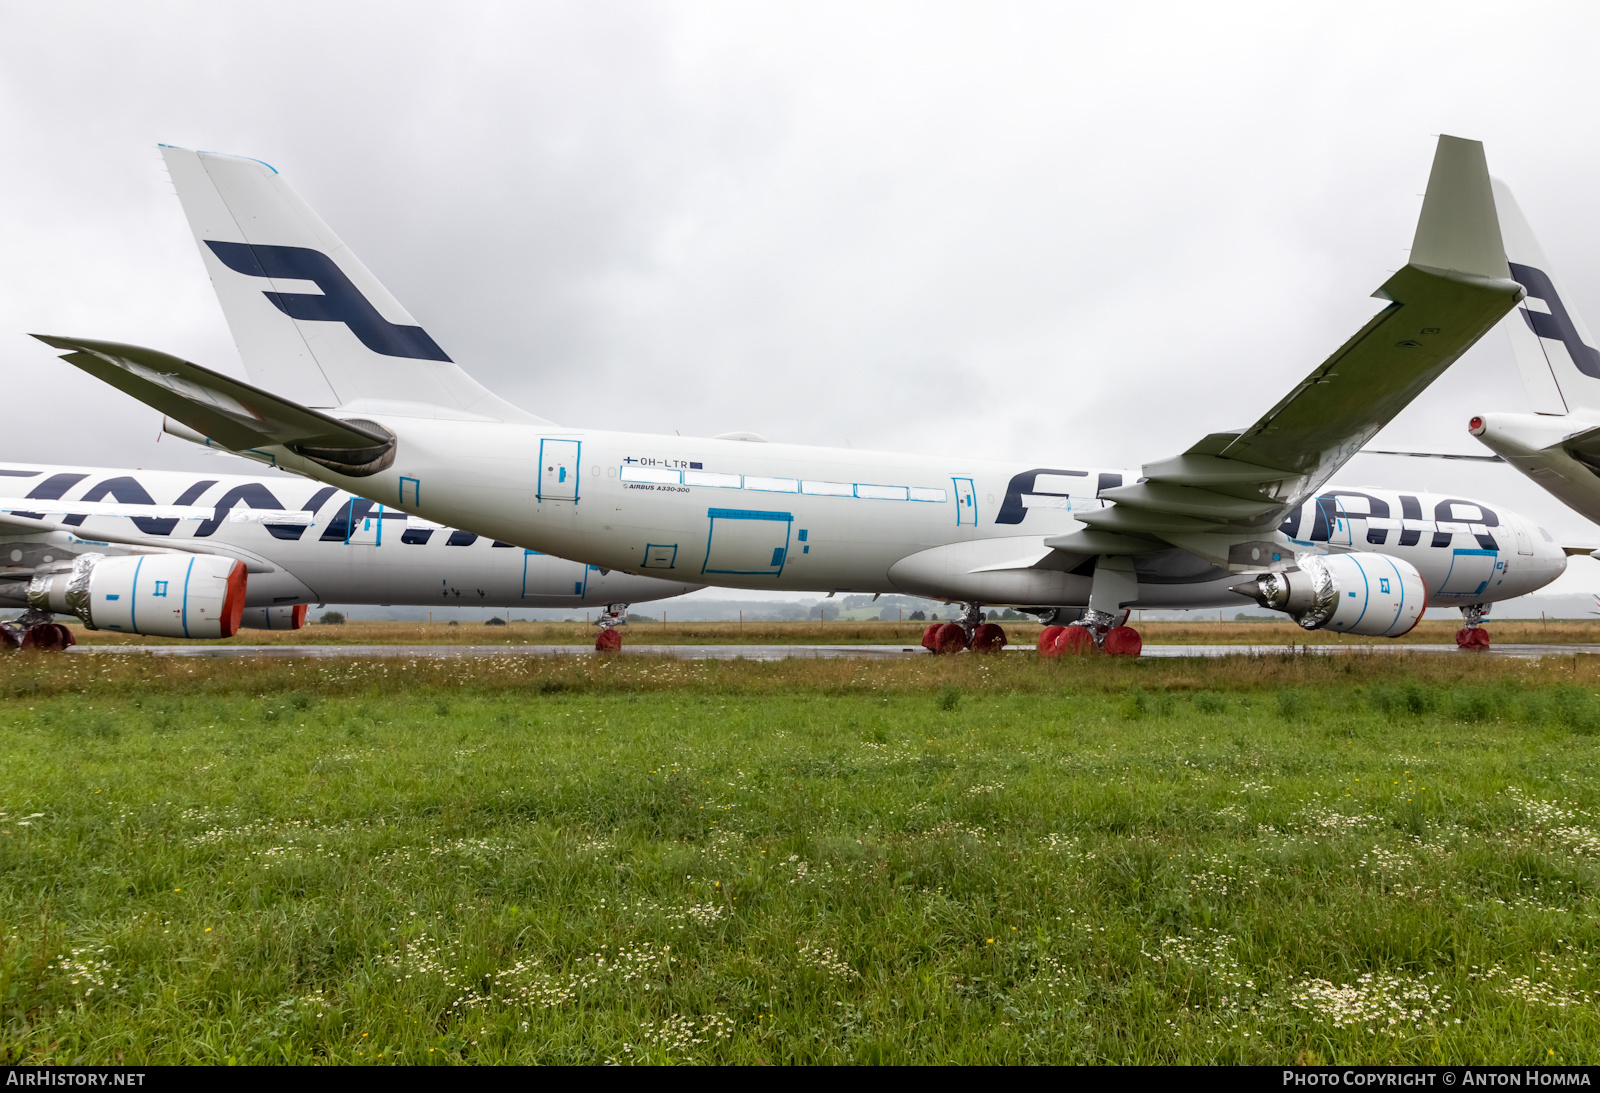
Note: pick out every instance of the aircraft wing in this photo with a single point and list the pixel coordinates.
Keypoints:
(13, 521)
(235, 414)
(1454, 289)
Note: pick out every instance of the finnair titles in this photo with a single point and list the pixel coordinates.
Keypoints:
(189, 555)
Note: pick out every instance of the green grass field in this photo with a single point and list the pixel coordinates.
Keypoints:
(1378, 859)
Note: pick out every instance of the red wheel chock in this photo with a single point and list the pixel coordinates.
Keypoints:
(988, 638)
(1075, 641)
(1047, 641)
(48, 637)
(1122, 641)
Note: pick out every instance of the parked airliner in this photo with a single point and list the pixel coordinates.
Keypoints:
(1558, 445)
(192, 555)
(348, 389)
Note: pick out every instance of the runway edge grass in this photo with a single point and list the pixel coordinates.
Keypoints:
(1270, 859)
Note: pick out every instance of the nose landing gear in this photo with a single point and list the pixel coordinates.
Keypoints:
(608, 640)
(1472, 635)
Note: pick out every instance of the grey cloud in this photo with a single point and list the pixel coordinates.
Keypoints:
(1073, 233)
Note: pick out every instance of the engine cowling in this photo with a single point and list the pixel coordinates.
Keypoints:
(163, 595)
(286, 617)
(1370, 594)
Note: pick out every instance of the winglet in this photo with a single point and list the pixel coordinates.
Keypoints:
(1458, 229)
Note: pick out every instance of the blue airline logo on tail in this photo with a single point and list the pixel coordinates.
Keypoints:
(1558, 325)
(340, 302)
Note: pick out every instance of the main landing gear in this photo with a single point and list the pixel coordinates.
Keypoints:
(35, 630)
(608, 640)
(1472, 635)
(1102, 626)
(1095, 632)
(944, 638)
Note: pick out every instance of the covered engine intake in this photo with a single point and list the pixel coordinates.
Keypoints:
(1371, 594)
(287, 617)
(165, 595)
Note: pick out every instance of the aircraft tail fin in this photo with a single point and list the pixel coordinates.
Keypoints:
(311, 321)
(1558, 358)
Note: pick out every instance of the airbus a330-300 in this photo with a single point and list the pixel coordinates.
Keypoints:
(348, 389)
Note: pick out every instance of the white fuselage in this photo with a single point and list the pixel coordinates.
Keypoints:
(304, 542)
(777, 516)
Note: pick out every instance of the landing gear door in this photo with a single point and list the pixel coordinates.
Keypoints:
(558, 470)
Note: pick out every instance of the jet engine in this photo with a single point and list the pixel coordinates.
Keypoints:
(1371, 594)
(166, 595)
(287, 617)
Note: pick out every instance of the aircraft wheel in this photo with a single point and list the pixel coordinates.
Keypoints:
(950, 639)
(1075, 641)
(1123, 641)
(1472, 637)
(47, 637)
(1048, 637)
(607, 641)
(930, 635)
(988, 638)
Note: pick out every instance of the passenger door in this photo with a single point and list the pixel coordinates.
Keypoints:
(366, 529)
(966, 503)
(558, 470)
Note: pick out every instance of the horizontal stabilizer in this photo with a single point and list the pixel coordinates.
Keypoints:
(233, 413)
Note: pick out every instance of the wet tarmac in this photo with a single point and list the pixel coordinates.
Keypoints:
(783, 652)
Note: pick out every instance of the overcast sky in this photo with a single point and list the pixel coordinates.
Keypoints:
(1071, 233)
